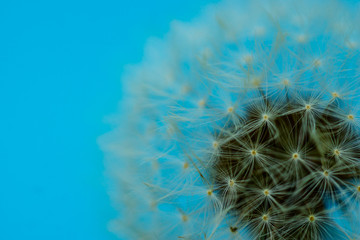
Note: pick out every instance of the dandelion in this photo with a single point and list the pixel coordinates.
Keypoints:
(243, 124)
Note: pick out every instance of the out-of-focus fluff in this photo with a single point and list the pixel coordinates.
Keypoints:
(243, 124)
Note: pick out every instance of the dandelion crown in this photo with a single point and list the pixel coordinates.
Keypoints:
(243, 124)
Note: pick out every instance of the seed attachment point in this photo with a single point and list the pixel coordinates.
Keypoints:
(266, 192)
(253, 152)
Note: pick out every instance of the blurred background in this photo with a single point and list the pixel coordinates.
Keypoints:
(60, 69)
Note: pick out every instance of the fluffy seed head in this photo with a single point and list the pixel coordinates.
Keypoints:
(243, 125)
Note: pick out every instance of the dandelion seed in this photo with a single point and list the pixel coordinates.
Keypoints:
(230, 109)
(311, 218)
(184, 218)
(350, 117)
(337, 152)
(266, 192)
(286, 82)
(335, 95)
(317, 63)
(201, 103)
(231, 183)
(253, 152)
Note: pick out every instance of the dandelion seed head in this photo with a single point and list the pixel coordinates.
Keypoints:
(245, 119)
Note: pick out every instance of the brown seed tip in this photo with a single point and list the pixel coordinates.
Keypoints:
(233, 229)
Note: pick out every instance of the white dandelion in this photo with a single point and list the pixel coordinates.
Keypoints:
(242, 124)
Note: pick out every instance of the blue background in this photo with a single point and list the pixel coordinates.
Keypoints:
(60, 69)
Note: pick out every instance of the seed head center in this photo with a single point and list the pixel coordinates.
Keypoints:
(265, 117)
(307, 106)
(295, 156)
(336, 152)
(265, 217)
(253, 152)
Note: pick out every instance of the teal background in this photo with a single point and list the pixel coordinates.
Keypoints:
(60, 69)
